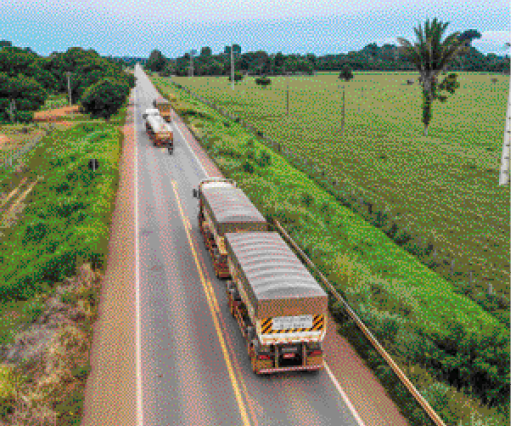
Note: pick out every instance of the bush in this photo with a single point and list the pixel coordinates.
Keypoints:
(346, 74)
(264, 160)
(238, 76)
(248, 167)
(263, 81)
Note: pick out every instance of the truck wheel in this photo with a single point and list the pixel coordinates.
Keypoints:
(253, 361)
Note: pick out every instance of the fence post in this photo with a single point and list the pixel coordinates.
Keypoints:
(491, 290)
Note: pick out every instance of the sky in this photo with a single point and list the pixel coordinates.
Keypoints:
(136, 27)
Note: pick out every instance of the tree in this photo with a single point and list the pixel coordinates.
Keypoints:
(205, 51)
(168, 70)
(467, 37)
(156, 61)
(311, 57)
(27, 94)
(431, 56)
(104, 99)
(215, 68)
(305, 66)
(346, 74)
(236, 50)
(279, 62)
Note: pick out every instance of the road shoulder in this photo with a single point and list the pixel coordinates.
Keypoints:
(110, 393)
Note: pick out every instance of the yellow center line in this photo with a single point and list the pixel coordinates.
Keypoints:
(213, 306)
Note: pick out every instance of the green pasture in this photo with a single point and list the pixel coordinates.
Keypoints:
(443, 187)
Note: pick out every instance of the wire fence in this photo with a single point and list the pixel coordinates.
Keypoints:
(472, 280)
(11, 160)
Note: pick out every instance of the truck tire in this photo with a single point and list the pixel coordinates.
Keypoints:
(253, 361)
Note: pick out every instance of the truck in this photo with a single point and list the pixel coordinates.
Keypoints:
(223, 207)
(163, 106)
(279, 306)
(158, 129)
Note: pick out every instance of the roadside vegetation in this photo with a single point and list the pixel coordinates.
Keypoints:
(52, 254)
(28, 80)
(455, 353)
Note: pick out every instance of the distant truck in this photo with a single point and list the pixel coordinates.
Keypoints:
(158, 129)
(163, 106)
(224, 208)
(279, 306)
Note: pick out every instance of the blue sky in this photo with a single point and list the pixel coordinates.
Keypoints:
(136, 27)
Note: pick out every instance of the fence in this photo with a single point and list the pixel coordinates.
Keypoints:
(330, 288)
(7, 164)
(378, 212)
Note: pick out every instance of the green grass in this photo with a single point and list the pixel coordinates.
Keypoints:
(55, 101)
(443, 187)
(389, 288)
(68, 214)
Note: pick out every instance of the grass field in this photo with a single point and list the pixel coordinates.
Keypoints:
(443, 187)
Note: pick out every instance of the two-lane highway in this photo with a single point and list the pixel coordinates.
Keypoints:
(194, 366)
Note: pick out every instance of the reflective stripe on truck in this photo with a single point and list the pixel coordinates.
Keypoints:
(318, 324)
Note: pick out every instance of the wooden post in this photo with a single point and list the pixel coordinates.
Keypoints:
(343, 112)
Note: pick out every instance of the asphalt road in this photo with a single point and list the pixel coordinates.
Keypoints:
(194, 365)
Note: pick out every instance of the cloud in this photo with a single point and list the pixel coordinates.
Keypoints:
(493, 40)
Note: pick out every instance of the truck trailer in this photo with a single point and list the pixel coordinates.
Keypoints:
(279, 306)
(163, 106)
(224, 208)
(158, 129)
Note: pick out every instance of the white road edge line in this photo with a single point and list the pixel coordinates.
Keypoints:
(140, 418)
(344, 396)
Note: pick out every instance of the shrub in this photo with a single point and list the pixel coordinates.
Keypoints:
(264, 160)
(247, 167)
(263, 81)
(307, 199)
(7, 390)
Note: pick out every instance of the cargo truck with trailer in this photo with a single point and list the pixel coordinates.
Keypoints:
(159, 131)
(163, 106)
(224, 208)
(279, 306)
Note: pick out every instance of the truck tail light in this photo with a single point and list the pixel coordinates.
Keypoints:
(316, 352)
(263, 356)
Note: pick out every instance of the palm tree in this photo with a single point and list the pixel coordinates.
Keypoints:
(431, 57)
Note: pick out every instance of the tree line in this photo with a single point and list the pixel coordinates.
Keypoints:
(100, 85)
(372, 57)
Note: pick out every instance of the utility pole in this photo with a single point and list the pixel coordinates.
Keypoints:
(287, 94)
(69, 87)
(232, 66)
(504, 165)
(343, 112)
